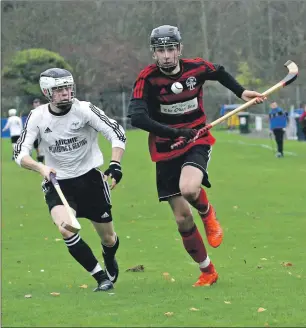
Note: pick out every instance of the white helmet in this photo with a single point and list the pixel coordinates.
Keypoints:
(56, 78)
(12, 112)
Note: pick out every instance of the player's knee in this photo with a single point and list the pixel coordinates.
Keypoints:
(108, 239)
(184, 222)
(65, 233)
(189, 192)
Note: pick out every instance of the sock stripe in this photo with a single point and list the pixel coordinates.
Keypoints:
(72, 240)
(203, 214)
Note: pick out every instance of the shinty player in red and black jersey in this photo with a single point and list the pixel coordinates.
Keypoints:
(158, 106)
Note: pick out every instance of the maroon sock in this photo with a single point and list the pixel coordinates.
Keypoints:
(204, 216)
(194, 245)
(201, 203)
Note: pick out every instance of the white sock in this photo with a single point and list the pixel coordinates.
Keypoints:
(205, 263)
(96, 269)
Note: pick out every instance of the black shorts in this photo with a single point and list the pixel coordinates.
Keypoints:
(14, 139)
(168, 172)
(36, 144)
(87, 194)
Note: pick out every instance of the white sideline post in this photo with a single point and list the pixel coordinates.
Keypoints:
(258, 123)
(291, 130)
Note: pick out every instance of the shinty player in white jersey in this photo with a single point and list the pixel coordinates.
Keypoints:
(68, 130)
(14, 124)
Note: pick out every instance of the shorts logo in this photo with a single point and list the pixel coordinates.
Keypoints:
(191, 82)
(105, 215)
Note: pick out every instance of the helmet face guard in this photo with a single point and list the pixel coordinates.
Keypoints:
(57, 79)
(166, 37)
(168, 67)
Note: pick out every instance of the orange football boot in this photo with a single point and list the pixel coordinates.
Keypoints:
(207, 278)
(213, 228)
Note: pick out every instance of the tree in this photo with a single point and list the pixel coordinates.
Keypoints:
(107, 41)
(24, 69)
(246, 77)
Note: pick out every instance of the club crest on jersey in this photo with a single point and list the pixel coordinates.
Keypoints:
(75, 126)
(191, 82)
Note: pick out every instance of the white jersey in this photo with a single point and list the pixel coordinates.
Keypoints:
(70, 141)
(14, 123)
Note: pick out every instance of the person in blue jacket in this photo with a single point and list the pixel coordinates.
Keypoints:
(278, 122)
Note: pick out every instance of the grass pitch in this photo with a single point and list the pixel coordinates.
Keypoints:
(260, 201)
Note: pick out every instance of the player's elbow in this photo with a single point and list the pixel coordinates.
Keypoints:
(20, 156)
(17, 159)
(137, 120)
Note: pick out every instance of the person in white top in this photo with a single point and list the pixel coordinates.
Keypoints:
(39, 155)
(68, 132)
(14, 124)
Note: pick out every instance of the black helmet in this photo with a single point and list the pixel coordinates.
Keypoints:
(165, 35)
(56, 73)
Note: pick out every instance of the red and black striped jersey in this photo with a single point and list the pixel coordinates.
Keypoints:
(152, 94)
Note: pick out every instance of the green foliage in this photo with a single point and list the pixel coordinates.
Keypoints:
(25, 67)
(246, 76)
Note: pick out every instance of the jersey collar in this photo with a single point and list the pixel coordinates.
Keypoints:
(58, 114)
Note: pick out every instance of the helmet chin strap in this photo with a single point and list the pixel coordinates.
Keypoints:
(64, 107)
